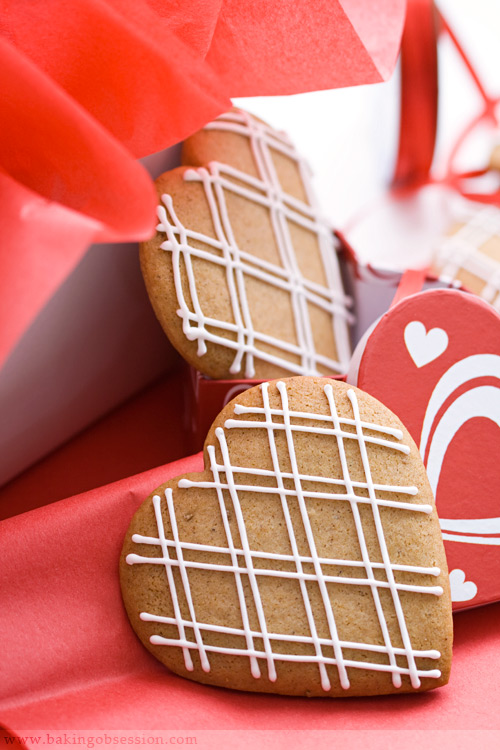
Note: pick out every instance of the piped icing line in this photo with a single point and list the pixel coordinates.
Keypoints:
(410, 490)
(284, 243)
(393, 431)
(396, 678)
(171, 581)
(325, 681)
(261, 270)
(229, 490)
(415, 681)
(219, 433)
(331, 269)
(239, 423)
(349, 496)
(154, 541)
(234, 274)
(254, 664)
(275, 274)
(369, 647)
(182, 566)
(461, 251)
(200, 332)
(332, 625)
(182, 249)
(352, 663)
(266, 190)
(299, 576)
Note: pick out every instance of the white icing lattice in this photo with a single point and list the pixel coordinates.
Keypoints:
(227, 489)
(283, 208)
(462, 251)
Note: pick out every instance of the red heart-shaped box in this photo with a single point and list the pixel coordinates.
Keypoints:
(434, 359)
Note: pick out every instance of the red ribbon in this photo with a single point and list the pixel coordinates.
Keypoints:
(419, 106)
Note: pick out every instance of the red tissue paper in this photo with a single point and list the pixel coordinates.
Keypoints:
(89, 86)
(73, 662)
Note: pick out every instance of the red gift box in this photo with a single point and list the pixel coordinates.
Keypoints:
(433, 359)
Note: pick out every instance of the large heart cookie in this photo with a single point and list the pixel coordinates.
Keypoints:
(434, 359)
(305, 560)
(243, 272)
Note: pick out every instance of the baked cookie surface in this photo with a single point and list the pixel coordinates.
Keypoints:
(470, 254)
(243, 272)
(306, 559)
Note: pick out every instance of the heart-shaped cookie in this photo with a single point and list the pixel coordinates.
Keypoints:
(446, 390)
(305, 560)
(471, 254)
(243, 272)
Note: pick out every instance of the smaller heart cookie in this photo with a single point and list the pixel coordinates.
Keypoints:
(305, 560)
(243, 272)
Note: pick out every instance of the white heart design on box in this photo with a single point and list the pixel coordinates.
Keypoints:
(461, 590)
(424, 346)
